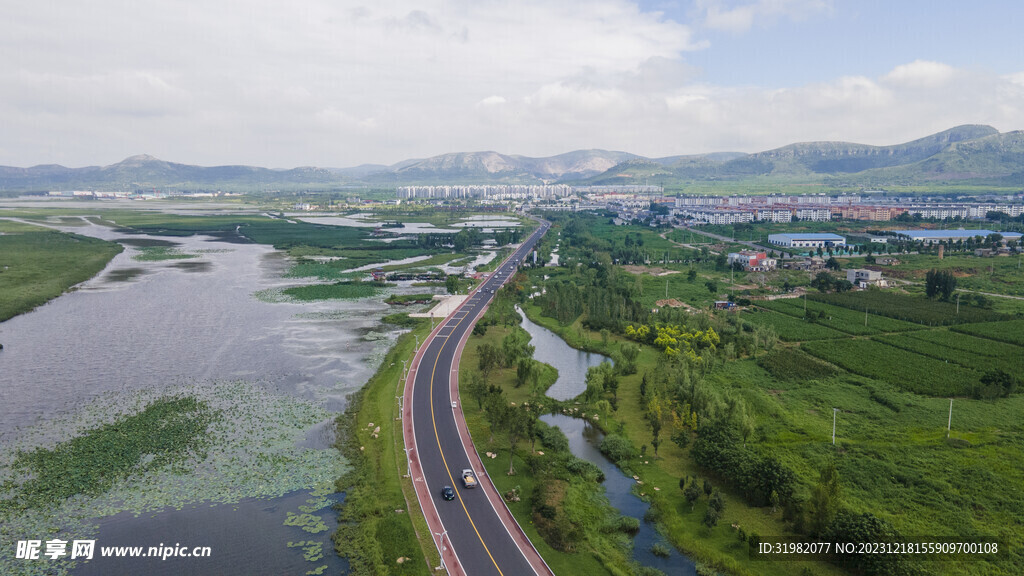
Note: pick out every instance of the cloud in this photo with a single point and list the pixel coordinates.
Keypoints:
(739, 18)
(337, 85)
(921, 73)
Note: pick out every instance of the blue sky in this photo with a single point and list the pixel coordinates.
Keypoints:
(340, 83)
(862, 37)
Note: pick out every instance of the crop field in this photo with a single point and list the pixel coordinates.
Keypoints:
(910, 308)
(789, 328)
(1011, 363)
(1011, 331)
(901, 368)
(842, 319)
(974, 345)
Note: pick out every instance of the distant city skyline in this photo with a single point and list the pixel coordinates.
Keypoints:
(335, 84)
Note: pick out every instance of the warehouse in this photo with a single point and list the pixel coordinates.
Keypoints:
(807, 240)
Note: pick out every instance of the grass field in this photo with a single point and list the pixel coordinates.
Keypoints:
(37, 265)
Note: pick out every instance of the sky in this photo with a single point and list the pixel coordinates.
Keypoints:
(334, 83)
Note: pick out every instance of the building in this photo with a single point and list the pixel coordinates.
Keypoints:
(935, 236)
(863, 278)
(807, 240)
(723, 216)
(752, 261)
(812, 214)
(774, 214)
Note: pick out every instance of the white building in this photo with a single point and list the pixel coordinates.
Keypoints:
(807, 240)
(775, 215)
(863, 278)
(810, 214)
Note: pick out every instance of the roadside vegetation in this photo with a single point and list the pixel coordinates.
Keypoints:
(748, 411)
(382, 530)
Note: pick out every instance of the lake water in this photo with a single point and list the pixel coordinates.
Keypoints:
(572, 364)
(145, 326)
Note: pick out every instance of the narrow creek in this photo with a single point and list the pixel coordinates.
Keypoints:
(585, 441)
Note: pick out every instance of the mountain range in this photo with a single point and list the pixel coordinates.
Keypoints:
(970, 154)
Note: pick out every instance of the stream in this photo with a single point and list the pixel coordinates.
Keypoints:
(585, 441)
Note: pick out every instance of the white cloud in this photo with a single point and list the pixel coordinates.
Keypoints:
(739, 18)
(492, 101)
(921, 73)
(338, 85)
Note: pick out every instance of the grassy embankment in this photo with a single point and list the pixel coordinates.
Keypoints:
(382, 528)
(37, 264)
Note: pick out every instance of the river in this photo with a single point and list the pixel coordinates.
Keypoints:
(572, 364)
(585, 441)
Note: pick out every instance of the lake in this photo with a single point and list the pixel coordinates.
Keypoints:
(143, 327)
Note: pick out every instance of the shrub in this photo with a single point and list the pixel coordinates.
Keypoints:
(618, 448)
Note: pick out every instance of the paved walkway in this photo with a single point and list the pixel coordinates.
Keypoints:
(448, 304)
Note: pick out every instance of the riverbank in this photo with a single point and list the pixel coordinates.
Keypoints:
(39, 264)
(382, 529)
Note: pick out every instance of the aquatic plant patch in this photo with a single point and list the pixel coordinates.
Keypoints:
(159, 253)
(248, 448)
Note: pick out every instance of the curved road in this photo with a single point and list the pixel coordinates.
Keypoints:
(475, 532)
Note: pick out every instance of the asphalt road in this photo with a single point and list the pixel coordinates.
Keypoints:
(482, 543)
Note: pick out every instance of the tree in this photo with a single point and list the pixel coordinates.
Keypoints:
(708, 487)
(451, 284)
(997, 383)
(526, 370)
(691, 276)
(654, 418)
(833, 264)
(711, 517)
(824, 502)
(717, 502)
(712, 286)
(488, 355)
(692, 493)
(477, 388)
(822, 281)
(940, 283)
(518, 424)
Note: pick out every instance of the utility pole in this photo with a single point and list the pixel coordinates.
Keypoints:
(949, 424)
(957, 308)
(834, 411)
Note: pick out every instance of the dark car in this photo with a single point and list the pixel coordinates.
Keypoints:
(448, 493)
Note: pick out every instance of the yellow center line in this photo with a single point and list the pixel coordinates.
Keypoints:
(433, 422)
